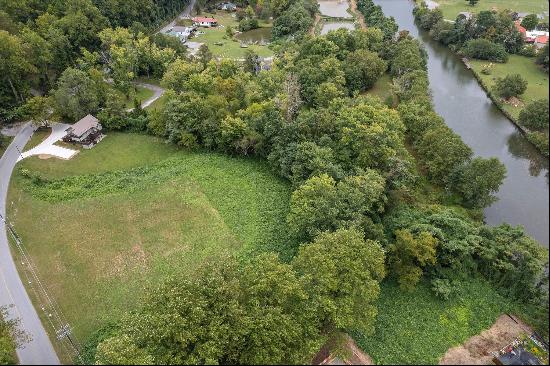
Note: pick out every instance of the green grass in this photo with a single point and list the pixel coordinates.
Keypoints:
(230, 48)
(418, 328)
(98, 248)
(159, 103)
(451, 8)
(140, 93)
(383, 88)
(537, 80)
(37, 137)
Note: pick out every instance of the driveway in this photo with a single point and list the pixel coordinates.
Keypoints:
(157, 93)
(184, 14)
(39, 350)
(47, 146)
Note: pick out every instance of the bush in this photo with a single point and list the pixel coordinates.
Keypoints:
(248, 24)
(535, 115)
(510, 86)
(484, 49)
(528, 51)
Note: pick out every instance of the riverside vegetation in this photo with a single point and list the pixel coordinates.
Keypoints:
(382, 211)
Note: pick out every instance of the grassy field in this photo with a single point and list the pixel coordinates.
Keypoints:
(537, 87)
(451, 8)
(418, 328)
(132, 211)
(221, 45)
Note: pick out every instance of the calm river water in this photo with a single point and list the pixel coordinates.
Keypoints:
(523, 197)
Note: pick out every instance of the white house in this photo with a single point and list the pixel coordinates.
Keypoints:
(228, 6)
(204, 22)
(181, 32)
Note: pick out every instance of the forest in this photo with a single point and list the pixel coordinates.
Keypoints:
(382, 191)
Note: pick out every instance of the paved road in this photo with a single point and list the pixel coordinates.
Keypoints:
(39, 350)
(184, 14)
(157, 90)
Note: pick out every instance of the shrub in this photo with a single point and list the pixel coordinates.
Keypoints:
(535, 115)
(484, 49)
(510, 86)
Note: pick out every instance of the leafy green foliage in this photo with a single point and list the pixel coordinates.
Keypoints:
(510, 86)
(418, 327)
(320, 204)
(530, 22)
(535, 115)
(484, 49)
(409, 255)
(342, 272)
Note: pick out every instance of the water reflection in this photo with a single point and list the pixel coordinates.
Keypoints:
(255, 36)
(334, 8)
(458, 98)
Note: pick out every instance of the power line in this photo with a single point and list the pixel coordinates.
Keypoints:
(48, 305)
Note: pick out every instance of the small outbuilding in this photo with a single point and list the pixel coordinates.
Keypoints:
(86, 132)
(227, 6)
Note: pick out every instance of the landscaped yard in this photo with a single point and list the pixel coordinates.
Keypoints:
(218, 42)
(451, 8)
(132, 211)
(537, 87)
(418, 328)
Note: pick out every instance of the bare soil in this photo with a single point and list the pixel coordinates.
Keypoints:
(477, 350)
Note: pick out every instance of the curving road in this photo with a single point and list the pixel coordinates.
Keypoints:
(12, 292)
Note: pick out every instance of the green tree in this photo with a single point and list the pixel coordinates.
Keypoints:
(178, 73)
(542, 58)
(535, 115)
(512, 85)
(76, 94)
(113, 116)
(362, 68)
(121, 351)
(320, 204)
(442, 151)
(204, 55)
(14, 67)
(252, 62)
(478, 180)
(342, 273)
(39, 109)
(472, 2)
(409, 255)
(530, 22)
(484, 49)
(11, 337)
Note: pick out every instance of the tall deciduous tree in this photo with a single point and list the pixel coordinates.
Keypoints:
(76, 94)
(342, 272)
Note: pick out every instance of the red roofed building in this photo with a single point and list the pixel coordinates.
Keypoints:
(541, 41)
(520, 28)
(204, 22)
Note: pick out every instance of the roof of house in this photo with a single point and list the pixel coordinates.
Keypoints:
(541, 39)
(520, 28)
(183, 29)
(204, 20)
(84, 125)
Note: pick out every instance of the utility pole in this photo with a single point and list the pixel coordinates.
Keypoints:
(19, 151)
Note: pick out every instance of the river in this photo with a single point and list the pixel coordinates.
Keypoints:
(458, 98)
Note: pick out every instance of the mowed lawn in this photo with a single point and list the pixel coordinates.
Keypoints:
(537, 80)
(418, 328)
(451, 8)
(134, 210)
(222, 46)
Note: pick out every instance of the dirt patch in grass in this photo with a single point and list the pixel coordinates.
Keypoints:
(477, 350)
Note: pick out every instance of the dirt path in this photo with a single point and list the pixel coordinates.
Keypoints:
(315, 22)
(358, 14)
(477, 350)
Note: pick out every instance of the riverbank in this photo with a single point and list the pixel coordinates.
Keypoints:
(515, 64)
(529, 135)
